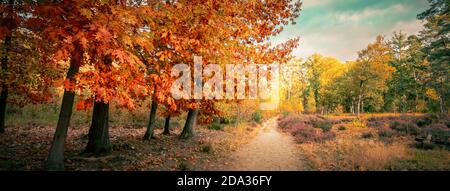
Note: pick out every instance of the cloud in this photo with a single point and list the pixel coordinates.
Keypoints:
(342, 42)
(342, 28)
(314, 3)
(409, 27)
(369, 12)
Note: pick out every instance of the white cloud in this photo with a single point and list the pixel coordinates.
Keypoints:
(369, 12)
(314, 3)
(353, 17)
(344, 42)
(409, 27)
(341, 35)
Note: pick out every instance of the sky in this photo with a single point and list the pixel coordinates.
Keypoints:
(340, 28)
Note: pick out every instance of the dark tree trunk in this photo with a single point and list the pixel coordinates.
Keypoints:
(305, 102)
(55, 158)
(151, 122)
(316, 100)
(167, 126)
(360, 96)
(191, 120)
(358, 107)
(3, 99)
(4, 93)
(99, 143)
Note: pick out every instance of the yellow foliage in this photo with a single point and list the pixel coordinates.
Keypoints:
(432, 94)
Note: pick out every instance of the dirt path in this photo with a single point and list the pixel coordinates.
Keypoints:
(269, 150)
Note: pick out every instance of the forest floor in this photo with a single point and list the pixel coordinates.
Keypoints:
(26, 147)
(293, 142)
(269, 150)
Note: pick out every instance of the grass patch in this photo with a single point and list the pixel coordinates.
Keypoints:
(216, 126)
(425, 160)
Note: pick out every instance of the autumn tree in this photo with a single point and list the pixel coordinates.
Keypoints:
(293, 82)
(97, 41)
(436, 38)
(345, 88)
(221, 33)
(9, 22)
(25, 79)
(321, 74)
(371, 71)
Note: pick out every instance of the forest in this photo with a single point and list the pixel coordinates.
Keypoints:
(86, 85)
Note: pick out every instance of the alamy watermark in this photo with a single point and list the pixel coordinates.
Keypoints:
(251, 81)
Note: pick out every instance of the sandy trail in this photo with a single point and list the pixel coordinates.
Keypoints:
(270, 150)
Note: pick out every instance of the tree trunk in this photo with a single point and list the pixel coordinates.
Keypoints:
(358, 109)
(416, 100)
(4, 93)
(289, 94)
(362, 106)
(191, 120)
(3, 99)
(305, 102)
(55, 158)
(167, 126)
(352, 106)
(151, 122)
(99, 143)
(316, 100)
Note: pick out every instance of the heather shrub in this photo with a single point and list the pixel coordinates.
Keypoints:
(372, 119)
(405, 127)
(385, 133)
(376, 123)
(430, 118)
(324, 125)
(342, 128)
(306, 129)
(286, 122)
(423, 122)
(438, 134)
(298, 128)
(309, 135)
